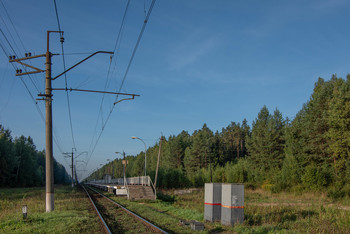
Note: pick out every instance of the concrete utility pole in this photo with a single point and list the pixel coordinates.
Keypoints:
(48, 109)
(72, 165)
(48, 125)
(47, 97)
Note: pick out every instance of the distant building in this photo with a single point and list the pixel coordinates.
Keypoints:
(107, 178)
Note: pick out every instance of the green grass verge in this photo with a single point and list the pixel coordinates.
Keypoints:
(266, 212)
(72, 212)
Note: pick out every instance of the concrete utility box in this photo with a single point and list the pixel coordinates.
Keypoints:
(212, 202)
(232, 204)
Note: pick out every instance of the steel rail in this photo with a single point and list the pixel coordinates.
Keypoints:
(154, 227)
(98, 213)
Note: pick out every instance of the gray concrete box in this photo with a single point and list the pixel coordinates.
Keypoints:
(232, 204)
(212, 202)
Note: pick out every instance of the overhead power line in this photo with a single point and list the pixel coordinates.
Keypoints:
(8, 15)
(33, 100)
(118, 39)
(7, 54)
(125, 74)
(65, 75)
(35, 84)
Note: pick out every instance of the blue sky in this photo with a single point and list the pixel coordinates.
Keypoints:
(198, 62)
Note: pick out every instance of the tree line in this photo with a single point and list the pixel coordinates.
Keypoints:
(22, 165)
(276, 153)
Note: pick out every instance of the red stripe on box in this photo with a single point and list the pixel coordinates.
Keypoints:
(212, 204)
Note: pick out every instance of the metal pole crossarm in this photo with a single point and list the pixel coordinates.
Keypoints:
(37, 70)
(98, 52)
(96, 91)
(45, 95)
(25, 58)
(20, 73)
(133, 97)
(48, 38)
(56, 31)
(27, 73)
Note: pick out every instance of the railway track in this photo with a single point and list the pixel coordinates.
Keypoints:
(117, 219)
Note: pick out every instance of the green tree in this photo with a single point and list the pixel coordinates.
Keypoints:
(339, 127)
(174, 150)
(27, 164)
(266, 143)
(198, 155)
(7, 160)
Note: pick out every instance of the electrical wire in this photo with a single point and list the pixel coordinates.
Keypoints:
(8, 15)
(15, 29)
(7, 54)
(9, 95)
(126, 73)
(8, 42)
(91, 77)
(65, 76)
(109, 68)
(8, 30)
(14, 52)
(33, 99)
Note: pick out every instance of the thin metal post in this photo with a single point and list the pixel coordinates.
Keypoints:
(145, 151)
(145, 157)
(124, 169)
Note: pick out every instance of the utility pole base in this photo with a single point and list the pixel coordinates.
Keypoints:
(49, 202)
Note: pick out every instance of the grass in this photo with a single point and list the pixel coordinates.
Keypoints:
(266, 212)
(72, 212)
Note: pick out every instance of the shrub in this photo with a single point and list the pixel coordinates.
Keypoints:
(316, 177)
(172, 178)
(198, 178)
(239, 172)
(219, 175)
(339, 190)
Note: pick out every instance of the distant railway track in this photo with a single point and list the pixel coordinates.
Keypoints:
(117, 219)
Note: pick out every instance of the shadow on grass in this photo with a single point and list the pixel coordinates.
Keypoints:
(265, 229)
(217, 230)
(165, 197)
